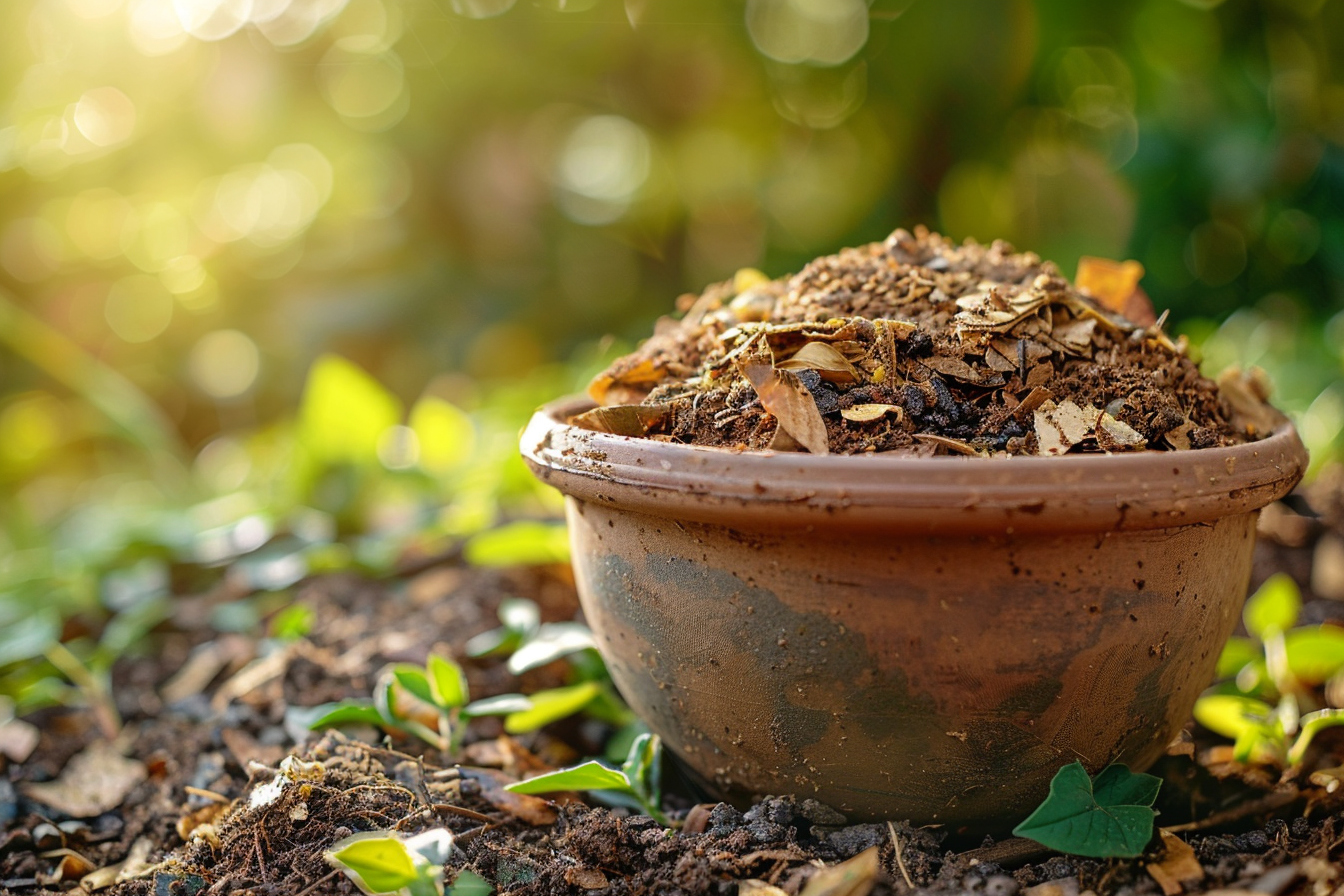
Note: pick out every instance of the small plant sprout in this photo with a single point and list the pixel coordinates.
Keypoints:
(635, 785)
(1274, 673)
(431, 703)
(1109, 816)
(379, 862)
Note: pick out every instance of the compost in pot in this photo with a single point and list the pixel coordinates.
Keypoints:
(889, 632)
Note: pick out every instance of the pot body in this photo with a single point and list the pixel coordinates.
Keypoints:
(828, 640)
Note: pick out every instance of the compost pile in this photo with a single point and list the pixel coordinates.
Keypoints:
(920, 345)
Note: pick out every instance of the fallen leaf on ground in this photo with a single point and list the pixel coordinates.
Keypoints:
(758, 888)
(93, 782)
(18, 739)
(1178, 867)
(1061, 426)
(622, 420)
(863, 413)
(825, 360)
(587, 878)
(854, 877)
(531, 809)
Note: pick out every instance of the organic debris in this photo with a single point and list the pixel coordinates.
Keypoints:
(919, 345)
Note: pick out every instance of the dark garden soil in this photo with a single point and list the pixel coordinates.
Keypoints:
(919, 345)
(169, 806)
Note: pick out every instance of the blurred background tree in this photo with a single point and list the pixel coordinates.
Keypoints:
(198, 198)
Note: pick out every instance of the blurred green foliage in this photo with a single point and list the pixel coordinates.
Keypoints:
(280, 279)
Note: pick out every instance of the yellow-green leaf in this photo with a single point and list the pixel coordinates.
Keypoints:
(445, 434)
(1273, 607)
(551, 706)
(344, 412)
(376, 862)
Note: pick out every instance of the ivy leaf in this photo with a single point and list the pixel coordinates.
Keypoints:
(1111, 817)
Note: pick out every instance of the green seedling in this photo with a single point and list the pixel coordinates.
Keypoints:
(1110, 816)
(432, 703)
(637, 784)
(1274, 673)
(379, 862)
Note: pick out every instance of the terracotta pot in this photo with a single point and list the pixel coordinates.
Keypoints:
(921, 638)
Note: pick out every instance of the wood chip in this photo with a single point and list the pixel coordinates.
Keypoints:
(586, 878)
(785, 397)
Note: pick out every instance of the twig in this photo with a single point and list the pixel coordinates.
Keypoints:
(1267, 803)
(1012, 852)
(317, 883)
(900, 859)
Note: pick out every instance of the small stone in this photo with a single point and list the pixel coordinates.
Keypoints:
(1000, 885)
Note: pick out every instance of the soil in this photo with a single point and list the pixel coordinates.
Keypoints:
(205, 728)
(919, 345)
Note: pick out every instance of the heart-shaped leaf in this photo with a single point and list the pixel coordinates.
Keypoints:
(1111, 817)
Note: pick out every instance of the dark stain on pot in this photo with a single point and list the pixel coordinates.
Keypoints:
(693, 609)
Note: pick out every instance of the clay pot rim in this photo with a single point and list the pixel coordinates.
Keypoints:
(894, 493)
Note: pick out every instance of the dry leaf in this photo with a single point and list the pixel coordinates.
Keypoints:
(784, 396)
(758, 888)
(1178, 867)
(135, 863)
(71, 866)
(638, 377)
(622, 420)
(864, 413)
(854, 877)
(587, 878)
(960, 370)
(18, 739)
(1246, 393)
(1109, 282)
(1179, 437)
(1116, 435)
(93, 782)
(825, 360)
(531, 809)
(956, 446)
(1061, 426)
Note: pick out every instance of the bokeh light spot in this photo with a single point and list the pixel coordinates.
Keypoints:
(93, 9)
(360, 85)
(212, 19)
(399, 448)
(31, 426)
(105, 116)
(224, 364)
(603, 162)
(155, 28)
(481, 9)
(821, 32)
(138, 308)
(97, 220)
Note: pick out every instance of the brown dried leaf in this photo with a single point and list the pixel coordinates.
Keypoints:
(1111, 283)
(864, 413)
(1076, 334)
(1116, 435)
(825, 360)
(758, 888)
(531, 809)
(956, 446)
(1178, 867)
(71, 866)
(1245, 393)
(1061, 426)
(587, 878)
(639, 374)
(622, 420)
(95, 781)
(960, 370)
(787, 399)
(854, 877)
(1040, 375)
(1179, 437)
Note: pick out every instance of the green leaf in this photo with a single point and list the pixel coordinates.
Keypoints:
(1231, 715)
(447, 683)
(28, 637)
(551, 706)
(469, 883)
(414, 680)
(503, 705)
(1237, 654)
(1312, 723)
(344, 412)
(346, 712)
(591, 775)
(377, 862)
(524, 543)
(643, 766)
(520, 617)
(1273, 607)
(445, 435)
(293, 622)
(553, 641)
(1078, 819)
(1315, 653)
